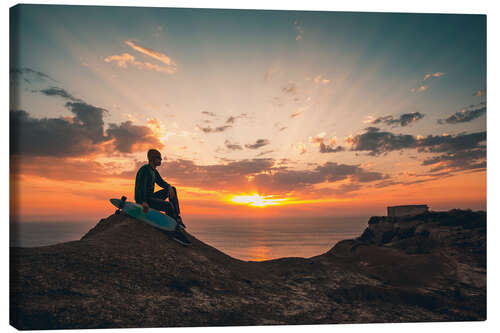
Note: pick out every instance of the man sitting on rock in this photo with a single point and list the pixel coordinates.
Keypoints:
(145, 181)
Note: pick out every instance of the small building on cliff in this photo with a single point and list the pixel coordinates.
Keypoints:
(407, 210)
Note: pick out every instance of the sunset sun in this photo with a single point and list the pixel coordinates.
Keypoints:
(257, 200)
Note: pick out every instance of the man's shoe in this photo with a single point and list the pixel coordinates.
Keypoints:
(180, 223)
(179, 237)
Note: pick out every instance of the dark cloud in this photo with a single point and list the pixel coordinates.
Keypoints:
(324, 148)
(403, 120)
(232, 146)
(78, 135)
(227, 125)
(258, 144)
(376, 142)
(16, 73)
(51, 136)
(452, 144)
(290, 180)
(218, 129)
(55, 91)
(232, 119)
(263, 175)
(464, 116)
(129, 138)
(228, 176)
(211, 114)
(462, 160)
(280, 127)
(265, 152)
(290, 88)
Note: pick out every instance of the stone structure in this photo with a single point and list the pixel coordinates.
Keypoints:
(409, 210)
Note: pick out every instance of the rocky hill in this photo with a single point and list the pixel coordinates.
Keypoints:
(124, 273)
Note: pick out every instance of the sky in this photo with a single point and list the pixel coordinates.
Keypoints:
(256, 113)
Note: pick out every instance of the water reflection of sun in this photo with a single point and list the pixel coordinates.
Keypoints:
(259, 253)
(257, 200)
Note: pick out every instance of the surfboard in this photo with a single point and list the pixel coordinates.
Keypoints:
(153, 217)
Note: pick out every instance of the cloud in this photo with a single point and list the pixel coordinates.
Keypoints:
(419, 89)
(321, 79)
(480, 93)
(437, 74)
(299, 111)
(265, 152)
(211, 114)
(129, 138)
(227, 125)
(232, 146)
(452, 144)
(457, 152)
(423, 87)
(55, 91)
(463, 116)
(470, 159)
(232, 119)
(228, 176)
(323, 148)
(290, 88)
(376, 142)
(28, 74)
(218, 129)
(301, 148)
(153, 54)
(56, 168)
(258, 144)
(123, 60)
(280, 127)
(403, 120)
(299, 180)
(126, 59)
(79, 135)
(298, 28)
(326, 147)
(262, 175)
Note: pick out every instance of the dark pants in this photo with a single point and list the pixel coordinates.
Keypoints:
(170, 207)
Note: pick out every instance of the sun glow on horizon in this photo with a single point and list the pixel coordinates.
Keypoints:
(256, 200)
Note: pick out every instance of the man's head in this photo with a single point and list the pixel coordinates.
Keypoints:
(154, 157)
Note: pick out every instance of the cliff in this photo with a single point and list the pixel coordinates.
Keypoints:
(124, 273)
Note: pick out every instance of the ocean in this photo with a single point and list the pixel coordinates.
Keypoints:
(244, 239)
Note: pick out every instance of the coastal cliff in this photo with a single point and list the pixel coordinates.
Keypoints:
(124, 273)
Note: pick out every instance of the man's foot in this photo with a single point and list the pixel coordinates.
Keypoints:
(179, 237)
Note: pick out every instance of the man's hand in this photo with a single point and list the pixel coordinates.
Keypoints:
(145, 207)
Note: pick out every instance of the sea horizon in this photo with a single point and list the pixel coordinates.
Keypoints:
(253, 239)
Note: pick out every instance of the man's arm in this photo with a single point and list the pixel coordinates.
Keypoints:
(160, 181)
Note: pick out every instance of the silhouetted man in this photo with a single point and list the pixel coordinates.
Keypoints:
(145, 181)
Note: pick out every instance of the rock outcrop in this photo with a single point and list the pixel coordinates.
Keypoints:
(124, 273)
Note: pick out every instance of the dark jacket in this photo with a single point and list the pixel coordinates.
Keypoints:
(145, 183)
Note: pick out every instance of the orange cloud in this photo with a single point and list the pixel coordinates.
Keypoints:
(153, 54)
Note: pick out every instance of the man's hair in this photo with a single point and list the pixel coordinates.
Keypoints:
(152, 153)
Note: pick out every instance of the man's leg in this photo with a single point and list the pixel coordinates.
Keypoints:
(163, 206)
(175, 201)
(173, 204)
